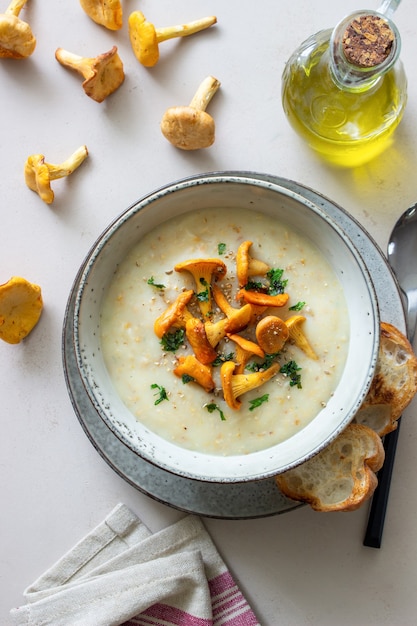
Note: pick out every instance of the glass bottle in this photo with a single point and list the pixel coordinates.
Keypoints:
(344, 96)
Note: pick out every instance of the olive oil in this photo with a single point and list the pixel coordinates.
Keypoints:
(347, 123)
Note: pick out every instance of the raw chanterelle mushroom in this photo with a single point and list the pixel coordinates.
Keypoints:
(16, 38)
(145, 38)
(103, 74)
(191, 127)
(107, 13)
(39, 174)
(20, 309)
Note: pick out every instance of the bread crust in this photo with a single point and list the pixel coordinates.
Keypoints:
(394, 384)
(342, 476)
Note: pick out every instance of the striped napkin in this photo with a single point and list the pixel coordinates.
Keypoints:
(122, 574)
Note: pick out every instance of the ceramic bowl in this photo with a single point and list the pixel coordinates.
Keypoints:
(284, 200)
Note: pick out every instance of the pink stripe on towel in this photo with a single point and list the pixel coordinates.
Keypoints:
(229, 605)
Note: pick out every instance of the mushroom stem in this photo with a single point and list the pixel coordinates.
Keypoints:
(15, 7)
(205, 93)
(80, 64)
(69, 165)
(191, 127)
(183, 30)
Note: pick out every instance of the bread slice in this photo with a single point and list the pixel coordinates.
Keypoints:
(340, 477)
(394, 384)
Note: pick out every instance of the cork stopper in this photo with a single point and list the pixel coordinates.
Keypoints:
(367, 41)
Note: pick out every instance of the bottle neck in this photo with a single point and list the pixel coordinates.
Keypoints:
(363, 47)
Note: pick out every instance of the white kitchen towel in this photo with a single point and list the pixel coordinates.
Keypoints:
(122, 574)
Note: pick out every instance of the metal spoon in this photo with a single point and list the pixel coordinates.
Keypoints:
(402, 256)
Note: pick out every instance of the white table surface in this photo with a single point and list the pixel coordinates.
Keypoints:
(298, 568)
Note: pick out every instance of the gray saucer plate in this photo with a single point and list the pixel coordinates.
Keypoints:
(224, 501)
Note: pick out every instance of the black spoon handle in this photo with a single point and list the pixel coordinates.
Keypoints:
(375, 527)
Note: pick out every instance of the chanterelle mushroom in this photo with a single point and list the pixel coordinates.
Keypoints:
(145, 38)
(190, 366)
(16, 38)
(103, 74)
(107, 13)
(175, 315)
(20, 309)
(294, 325)
(235, 385)
(191, 127)
(246, 265)
(39, 174)
(244, 350)
(271, 334)
(203, 271)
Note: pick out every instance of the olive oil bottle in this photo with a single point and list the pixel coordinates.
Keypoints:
(344, 90)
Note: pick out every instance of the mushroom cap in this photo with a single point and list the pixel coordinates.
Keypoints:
(271, 334)
(16, 38)
(245, 348)
(294, 325)
(188, 128)
(173, 314)
(235, 385)
(246, 265)
(202, 374)
(143, 39)
(259, 298)
(196, 335)
(107, 74)
(37, 177)
(20, 309)
(108, 13)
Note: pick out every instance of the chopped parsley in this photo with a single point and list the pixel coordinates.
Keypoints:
(161, 393)
(291, 370)
(252, 285)
(221, 248)
(258, 401)
(275, 286)
(222, 358)
(297, 307)
(151, 281)
(203, 296)
(276, 283)
(257, 367)
(186, 378)
(171, 341)
(214, 407)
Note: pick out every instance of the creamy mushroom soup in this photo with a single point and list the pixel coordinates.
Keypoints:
(177, 408)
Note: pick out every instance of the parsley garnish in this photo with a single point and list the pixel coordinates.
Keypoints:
(151, 281)
(297, 307)
(186, 378)
(173, 340)
(258, 401)
(222, 358)
(290, 369)
(221, 247)
(256, 367)
(252, 285)
(276, 283)
(161, 393)
(203, 296)
(213, 407)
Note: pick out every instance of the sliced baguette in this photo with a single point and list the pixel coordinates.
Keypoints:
(394, 384)
(342, 476)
